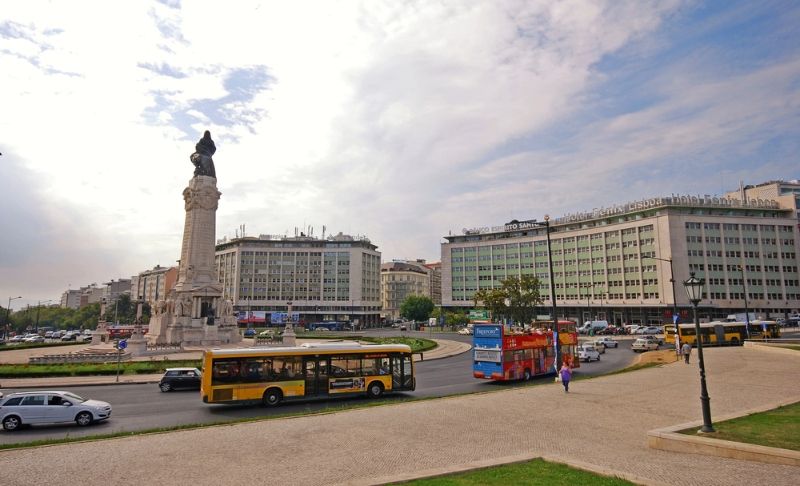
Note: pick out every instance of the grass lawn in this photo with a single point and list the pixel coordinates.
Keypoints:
(774, 428)
(795, 348)
(532, 472)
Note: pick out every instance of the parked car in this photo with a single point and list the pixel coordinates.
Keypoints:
(607, 342)
(39, 407)
(248, 333)
(649, 330)
(644, 345)
(465, 331)
(180, 378)
(265, 334)
(599, 346)
(403, 327)
(588, 352)
(652, 337)
(34, 339)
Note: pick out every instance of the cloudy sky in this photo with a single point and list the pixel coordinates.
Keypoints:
(399, 121)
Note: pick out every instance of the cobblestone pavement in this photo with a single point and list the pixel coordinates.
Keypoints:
(601, 424)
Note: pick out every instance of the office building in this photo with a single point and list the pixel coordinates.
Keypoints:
(611, 263)
(115, 288)
(402, 278)
(332, 279)
(153, 285)
(71, 299)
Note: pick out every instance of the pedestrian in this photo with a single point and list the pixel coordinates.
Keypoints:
(687, 351)
(566, 375)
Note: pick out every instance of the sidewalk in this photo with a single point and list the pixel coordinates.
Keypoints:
(445, 349)
(388, 443)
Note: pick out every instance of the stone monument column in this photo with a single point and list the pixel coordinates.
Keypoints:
(196, 269)
(190, 316)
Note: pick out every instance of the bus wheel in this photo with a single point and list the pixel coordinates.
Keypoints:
(526, 375)
(734, 341)
(375, 389)
(272, 397)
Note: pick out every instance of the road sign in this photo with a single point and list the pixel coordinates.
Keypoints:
(122, 344)
(478, 315)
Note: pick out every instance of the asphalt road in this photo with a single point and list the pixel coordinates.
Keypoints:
(141, 407)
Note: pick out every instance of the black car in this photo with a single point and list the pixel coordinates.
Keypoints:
(180, 379)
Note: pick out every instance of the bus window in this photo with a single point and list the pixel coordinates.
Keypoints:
(225, 371)
(345, 366)
(287, 368)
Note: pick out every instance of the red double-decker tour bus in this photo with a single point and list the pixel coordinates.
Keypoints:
(501, 354)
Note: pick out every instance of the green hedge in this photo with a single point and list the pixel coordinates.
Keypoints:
(76, 369)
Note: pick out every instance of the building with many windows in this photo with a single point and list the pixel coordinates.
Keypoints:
(153, 285)
(436, 282)
(71, 299)
(402, 278)
(613, 263)
(333, 279)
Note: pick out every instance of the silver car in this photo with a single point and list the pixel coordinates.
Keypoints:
(45, 407)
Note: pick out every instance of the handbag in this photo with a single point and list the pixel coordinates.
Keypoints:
(558, 377)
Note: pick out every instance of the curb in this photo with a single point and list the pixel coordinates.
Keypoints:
(668, 439)
(501, 461)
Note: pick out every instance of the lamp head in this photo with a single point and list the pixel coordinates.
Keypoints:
(694, 288)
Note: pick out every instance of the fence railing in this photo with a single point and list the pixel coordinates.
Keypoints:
(165, 347)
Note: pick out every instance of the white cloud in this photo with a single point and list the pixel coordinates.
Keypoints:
(400, 121)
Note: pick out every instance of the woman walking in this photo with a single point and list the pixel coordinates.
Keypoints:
(566, 375)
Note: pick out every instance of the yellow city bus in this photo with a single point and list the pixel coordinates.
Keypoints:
(722, 333)
(308, 371)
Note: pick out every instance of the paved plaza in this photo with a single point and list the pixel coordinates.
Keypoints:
(600, 425)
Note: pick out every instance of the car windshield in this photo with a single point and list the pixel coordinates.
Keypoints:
(74, 397)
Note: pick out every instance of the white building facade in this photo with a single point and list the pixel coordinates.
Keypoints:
(333, 279)
(611, 263)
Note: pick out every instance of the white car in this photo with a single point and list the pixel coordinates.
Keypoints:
(588, 352)
(599, 346)
(465, 331)
(644, 345)
(33, 339)
(45, 407)
(607, 342)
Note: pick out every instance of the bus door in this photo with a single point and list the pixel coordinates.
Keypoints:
(719, 332)
(316, 371)
(402, 376)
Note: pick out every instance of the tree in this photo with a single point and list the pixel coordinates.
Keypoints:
(416, 307)
(521, 295)
(492, 299)
(126, 310)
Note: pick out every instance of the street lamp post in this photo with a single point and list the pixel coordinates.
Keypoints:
(546, 225)
(39, 306)
(8, 314)
(746, 310)
(674, 297)
(694, 289)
